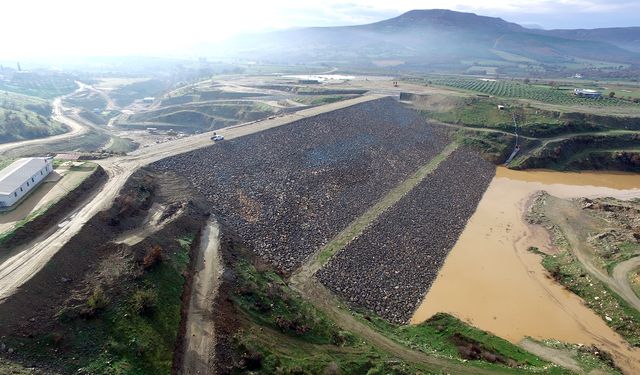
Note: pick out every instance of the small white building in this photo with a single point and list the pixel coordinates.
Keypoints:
(587, 93)
(21, 177)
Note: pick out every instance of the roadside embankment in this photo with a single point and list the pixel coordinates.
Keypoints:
(54, 214)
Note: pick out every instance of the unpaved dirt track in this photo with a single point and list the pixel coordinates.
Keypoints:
(76, 127)
(152, 224)
(557, 356)
(30, 259)
(199, 340)
(621, 271)
(111, 105)
(575, 226)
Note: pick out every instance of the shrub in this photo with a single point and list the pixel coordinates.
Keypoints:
(145, 301)
(252, 359)
(97, 301)
(152, 257)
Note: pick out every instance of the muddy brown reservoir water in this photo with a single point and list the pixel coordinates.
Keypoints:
(491, 281)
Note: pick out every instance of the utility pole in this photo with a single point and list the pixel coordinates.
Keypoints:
(515, 128)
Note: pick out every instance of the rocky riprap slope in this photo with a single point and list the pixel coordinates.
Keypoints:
(391, 266)
(288, 190)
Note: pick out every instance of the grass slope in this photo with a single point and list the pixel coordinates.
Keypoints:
(26, 117)
(131, 332)
(282, 333)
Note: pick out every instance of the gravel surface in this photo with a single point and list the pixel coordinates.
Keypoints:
(287, 191)
(391, 266)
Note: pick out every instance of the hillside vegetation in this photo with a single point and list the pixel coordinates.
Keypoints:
(547, 138)
(202, 116)
(45, 85)
(125, 95)
(538, 92)
(25, 117)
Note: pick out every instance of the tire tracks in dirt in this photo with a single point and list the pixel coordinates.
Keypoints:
(575, 226)
(200, 337)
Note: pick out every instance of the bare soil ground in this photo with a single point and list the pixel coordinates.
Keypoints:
(578, 226)
(200, 336)
(50, 286)
(158, 216)
(92, 260)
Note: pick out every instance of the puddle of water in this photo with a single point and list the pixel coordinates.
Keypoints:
(491, 281)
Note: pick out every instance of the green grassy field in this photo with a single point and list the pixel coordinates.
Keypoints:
(556, 138)
(484, 113)
(26, 117)
(284, 334)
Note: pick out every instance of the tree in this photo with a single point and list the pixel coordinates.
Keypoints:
(612, 94)
(527, 81)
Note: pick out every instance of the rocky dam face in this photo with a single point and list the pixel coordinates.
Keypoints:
(288, 191)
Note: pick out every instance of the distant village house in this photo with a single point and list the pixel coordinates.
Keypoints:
(586, 93)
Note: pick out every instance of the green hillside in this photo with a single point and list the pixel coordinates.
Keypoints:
(26, 117)
(43, 85)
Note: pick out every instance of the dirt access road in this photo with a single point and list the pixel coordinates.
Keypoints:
(621, 272)
(24, 262)
(77, 128)
(152, 224)
(199, 343)
(576, 227)
(111, 105)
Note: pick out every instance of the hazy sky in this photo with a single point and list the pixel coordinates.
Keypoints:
(32, 28)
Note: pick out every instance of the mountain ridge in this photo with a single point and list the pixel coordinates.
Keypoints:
(439, 36)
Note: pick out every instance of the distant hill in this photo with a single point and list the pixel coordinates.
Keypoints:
(623, 37)
(437, 37)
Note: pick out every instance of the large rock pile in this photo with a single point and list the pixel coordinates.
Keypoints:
(289, 190)
(390, 267)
